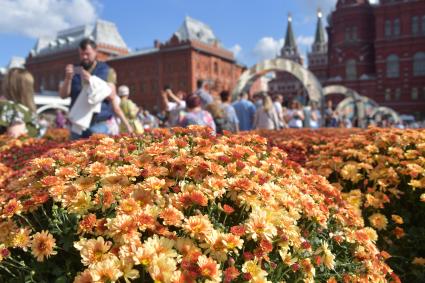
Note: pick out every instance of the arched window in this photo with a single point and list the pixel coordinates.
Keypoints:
(351, 70)
(419, 64)
(387, 28)
(393, 66)
(396, 27)
(415, 25)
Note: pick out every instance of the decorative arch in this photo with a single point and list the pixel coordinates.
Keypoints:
(307, 78)
(353, 96)
(46, 102)
(386, 111)
(340, 89)
(363, 104)
(50, 106)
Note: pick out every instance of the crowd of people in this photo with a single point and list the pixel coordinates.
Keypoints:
(97, 106)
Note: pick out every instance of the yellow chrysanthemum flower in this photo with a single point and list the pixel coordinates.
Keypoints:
(378, 221)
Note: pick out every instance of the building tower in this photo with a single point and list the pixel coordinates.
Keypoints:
(284, 83)
(290, 49)
(318, 57)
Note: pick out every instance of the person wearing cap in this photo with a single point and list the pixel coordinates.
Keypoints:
(130, 110)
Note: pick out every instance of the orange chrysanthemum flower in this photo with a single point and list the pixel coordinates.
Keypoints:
(93, 250)
(378, 221)
(198, 226)
(21, 238)
(42, 245)
(209, 269)
(11, 208)
(87, 224)
(84, 277)
(171, 216)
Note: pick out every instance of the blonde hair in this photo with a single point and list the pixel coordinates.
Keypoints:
(215, 110)
(267, 103)
(18, 86)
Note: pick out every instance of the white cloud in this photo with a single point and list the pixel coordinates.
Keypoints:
(237, 50)
(267, 48)
(305, 40)
(313, 5)
(35, 18)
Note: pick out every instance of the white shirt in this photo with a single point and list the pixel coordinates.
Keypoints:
(176, 106)
(294, 122)
(278, 108)
(88, 102)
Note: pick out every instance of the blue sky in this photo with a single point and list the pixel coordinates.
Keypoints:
(254, 29)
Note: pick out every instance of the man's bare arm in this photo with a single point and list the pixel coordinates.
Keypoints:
(65, 88)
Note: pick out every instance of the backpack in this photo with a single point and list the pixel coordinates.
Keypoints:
(222, 124)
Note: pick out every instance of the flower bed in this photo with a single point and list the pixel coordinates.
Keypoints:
(180, 206)
(382, 174)
(15, 154)
(298, 143)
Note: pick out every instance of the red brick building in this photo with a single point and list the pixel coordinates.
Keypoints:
(192, 53)
(379, 50)
(47, 60)
(400, 55)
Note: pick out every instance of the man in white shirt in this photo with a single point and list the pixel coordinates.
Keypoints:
(100, 77)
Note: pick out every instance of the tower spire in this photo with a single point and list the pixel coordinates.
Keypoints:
(290, 46)
(320, 32)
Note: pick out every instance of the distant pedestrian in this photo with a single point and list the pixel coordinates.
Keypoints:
(196, 115)
(175, 106)
(295, 115)
(315, 115)
(203, 92)
(266, 116)
(245, 111)
(130, 110)
(17, 107)
(329, 113)
(277, 103)
(60, 119)
(231, 119)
